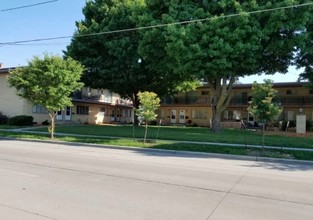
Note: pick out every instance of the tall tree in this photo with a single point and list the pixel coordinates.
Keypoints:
(48, 82)
(111, 58)
(220, 41)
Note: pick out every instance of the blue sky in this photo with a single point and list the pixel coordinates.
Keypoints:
(57, 19)
(47, 20)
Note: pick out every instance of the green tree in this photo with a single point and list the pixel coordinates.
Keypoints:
(229, 42)
(112, 60)
(48, 82)
(262, 105)
(305, 55)
(149, 103)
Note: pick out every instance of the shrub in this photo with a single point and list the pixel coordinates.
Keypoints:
(154, 122)
(283, 125)
(46, 122)
(21, 120)
(3, 119)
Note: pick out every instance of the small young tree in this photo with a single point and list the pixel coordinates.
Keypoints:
(149, 103)
(261, 104)
(48, 82)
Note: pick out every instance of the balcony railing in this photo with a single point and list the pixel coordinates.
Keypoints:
(235, 101)
(101, 99)
(185, 100)
(281, 100)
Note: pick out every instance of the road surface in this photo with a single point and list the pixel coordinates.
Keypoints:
(65, 182)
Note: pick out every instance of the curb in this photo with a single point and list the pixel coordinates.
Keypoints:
(173, 152)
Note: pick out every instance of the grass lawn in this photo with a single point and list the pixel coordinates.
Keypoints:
(124, 137)
(234, 136)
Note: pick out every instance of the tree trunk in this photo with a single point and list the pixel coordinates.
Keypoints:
(146, 131)
(136, 103)
(216, 119)
(52, 126)
(263, 135)
(220, 98)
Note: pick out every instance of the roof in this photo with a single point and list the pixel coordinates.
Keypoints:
(6, 70)
(275, 85)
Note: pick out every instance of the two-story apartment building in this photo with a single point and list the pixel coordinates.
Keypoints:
(195, 108)
(97, 106)
(89, 105)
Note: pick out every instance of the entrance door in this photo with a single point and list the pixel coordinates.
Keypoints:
(250, 118)
(59, 116)
(68, 113)
(182, 114)
(173, 116)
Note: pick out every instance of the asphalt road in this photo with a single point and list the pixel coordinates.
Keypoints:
(58, 181)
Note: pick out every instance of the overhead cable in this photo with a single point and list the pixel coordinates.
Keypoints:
(28, 6)
(158, 25)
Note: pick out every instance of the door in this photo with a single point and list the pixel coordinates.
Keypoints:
(251, 119)
(173, 116)
(68, 113)
(182, 114)
(59, 116)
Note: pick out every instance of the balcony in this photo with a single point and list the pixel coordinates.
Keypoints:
(282, 100)
(190, 100)
(101, 99)
(294, 100)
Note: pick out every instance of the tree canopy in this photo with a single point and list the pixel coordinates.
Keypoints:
(48, 82)
(220, 41)
(305, 55)
(112, 59)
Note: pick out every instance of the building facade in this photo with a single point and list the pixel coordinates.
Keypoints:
(100, 106)
(92, 106)
(194, 107)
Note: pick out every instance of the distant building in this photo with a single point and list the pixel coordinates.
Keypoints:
(98, 106)
(195, 107)
(89, 106)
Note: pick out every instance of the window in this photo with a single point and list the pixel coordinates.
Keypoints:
(204, 92)
(82, 110)
(124, 112)
(39, 109)
(102, 111)
(232, 115)
(311, 92)
(288, 92)
(199, 114)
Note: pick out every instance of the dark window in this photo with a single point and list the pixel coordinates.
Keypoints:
(82, 110)
(289, 92)
(204, 92)
(311, 92)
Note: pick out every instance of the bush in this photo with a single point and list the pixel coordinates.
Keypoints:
(21, 120)
(3, 119)
(283, 125)
(153, 122)
(46, 122)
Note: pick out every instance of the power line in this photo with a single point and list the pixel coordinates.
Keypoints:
(158, 25)
(28, 6)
